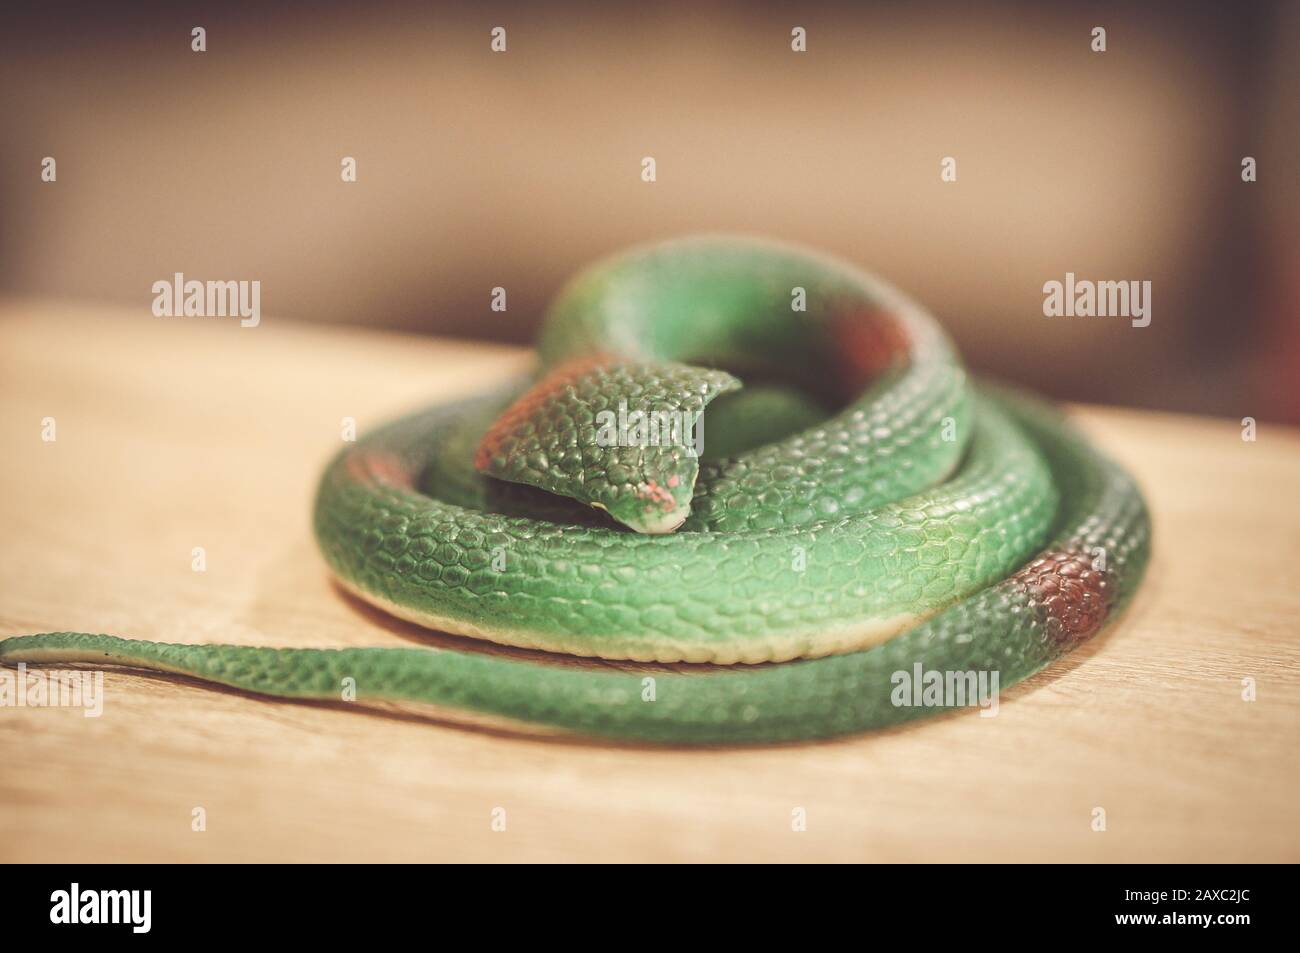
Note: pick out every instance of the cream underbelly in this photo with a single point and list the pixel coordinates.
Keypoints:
(830, 640)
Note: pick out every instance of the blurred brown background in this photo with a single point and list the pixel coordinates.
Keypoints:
(478, 169)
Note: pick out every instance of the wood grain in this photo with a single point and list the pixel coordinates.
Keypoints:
(177, 433)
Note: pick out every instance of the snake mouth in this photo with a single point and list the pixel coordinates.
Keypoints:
(656, 524)
(650, 520)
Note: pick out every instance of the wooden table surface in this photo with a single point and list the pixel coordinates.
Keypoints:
(177, 433)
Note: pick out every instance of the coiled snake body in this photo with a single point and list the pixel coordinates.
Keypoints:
(859, 509)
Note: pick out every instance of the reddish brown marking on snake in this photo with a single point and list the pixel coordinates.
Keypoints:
(525, 407)
(866, 342)
(370, 466)
(1071, 596)
(652, 491)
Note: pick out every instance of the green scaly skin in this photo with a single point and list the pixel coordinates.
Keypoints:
(925, 522)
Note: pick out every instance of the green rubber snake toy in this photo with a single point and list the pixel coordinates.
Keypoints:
(859, 509)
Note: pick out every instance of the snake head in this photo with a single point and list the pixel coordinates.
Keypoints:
(621, 436)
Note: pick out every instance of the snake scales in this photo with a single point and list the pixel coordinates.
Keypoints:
(859, 509)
